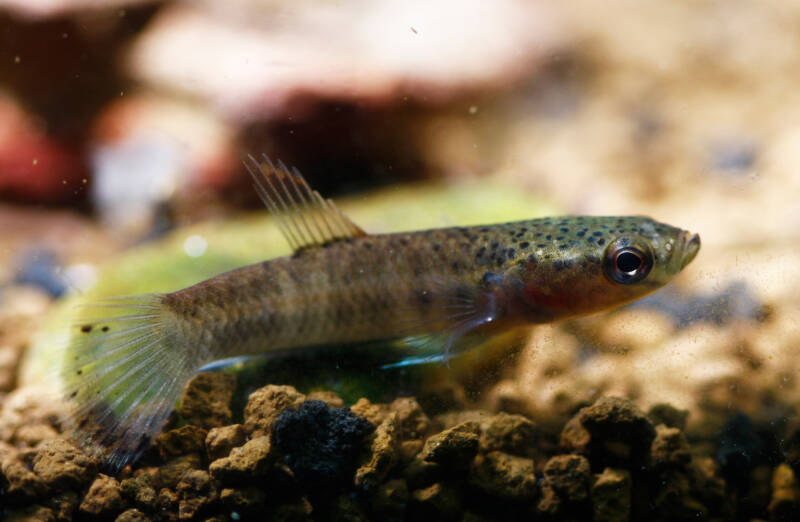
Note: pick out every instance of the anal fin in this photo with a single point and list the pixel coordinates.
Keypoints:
(305, 218)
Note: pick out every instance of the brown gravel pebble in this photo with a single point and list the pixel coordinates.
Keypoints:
(390, 498)
(23, 484)
(504, 476)
(220, 441)
(454, 447)
(34, 513)
(171, 472)
(345, 509)
(785, 502)
(140, 491)
(374, 413)
(510, 433)
(612, 431)
(132, 515)
(437, 502)
(611, 496)
(669, 415)
(328, 397)
(411, 420)
(245, 500)
(670, 448)
(206, 401)
(104, 498)
(197, 491)
(265, 406)
(181, 441)
(245, 462)
(569, 476)
(63, 466)
(382, 456)
(64, 505)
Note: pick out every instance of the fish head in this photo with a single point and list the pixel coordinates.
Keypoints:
(604, 262)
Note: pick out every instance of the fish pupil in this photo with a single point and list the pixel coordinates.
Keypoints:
(628, 262)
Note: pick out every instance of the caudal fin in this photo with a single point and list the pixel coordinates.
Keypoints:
(122, 372)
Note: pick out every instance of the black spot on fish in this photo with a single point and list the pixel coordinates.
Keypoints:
(558, 264)
(495, 244)
(485, 229)
(559, 238)
(511, 252)
(548, 237)
(541, 245)
(455, 265)
(523, 230)
(367, 244)
(563, 247)
(481, 252)
(404, 241)
(539, 234)
(593, 259)
(79, 372)
(86, 328)
(524, 244)
(533, 259)
(436, 247)
(105, 328)
(580, 233)
(601, 241)
(564, 229)
(73, 395)
(597, 233)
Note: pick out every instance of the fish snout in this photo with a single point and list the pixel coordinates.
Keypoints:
(689, 247)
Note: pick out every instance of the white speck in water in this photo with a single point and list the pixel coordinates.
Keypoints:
(473, 109)
(195, 246)
(16, 59)
(35, 161)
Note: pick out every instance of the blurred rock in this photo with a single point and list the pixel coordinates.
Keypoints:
(63, 466)
(611, 496)
(181, 441)
(437, 502)
(266, 404)
(382, 454)
(245, 462)
(103, 500)
(569, 476)
(613, 431)
(505, 476)
(220, 441)
(395, 48)
(454, 447)
(785, 494)
(36, 167)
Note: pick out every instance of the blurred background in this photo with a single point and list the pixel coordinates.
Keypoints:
(123, 124)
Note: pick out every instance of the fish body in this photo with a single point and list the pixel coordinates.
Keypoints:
(129, 358)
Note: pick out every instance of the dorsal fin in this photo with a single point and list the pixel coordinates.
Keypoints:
(305, 218)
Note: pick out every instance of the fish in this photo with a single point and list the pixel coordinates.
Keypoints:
(128, 358)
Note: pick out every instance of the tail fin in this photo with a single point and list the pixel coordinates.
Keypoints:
(122, 372)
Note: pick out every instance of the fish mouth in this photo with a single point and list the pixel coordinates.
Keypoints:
(688, 247)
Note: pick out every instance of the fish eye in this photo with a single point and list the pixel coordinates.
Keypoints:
(627, 264)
